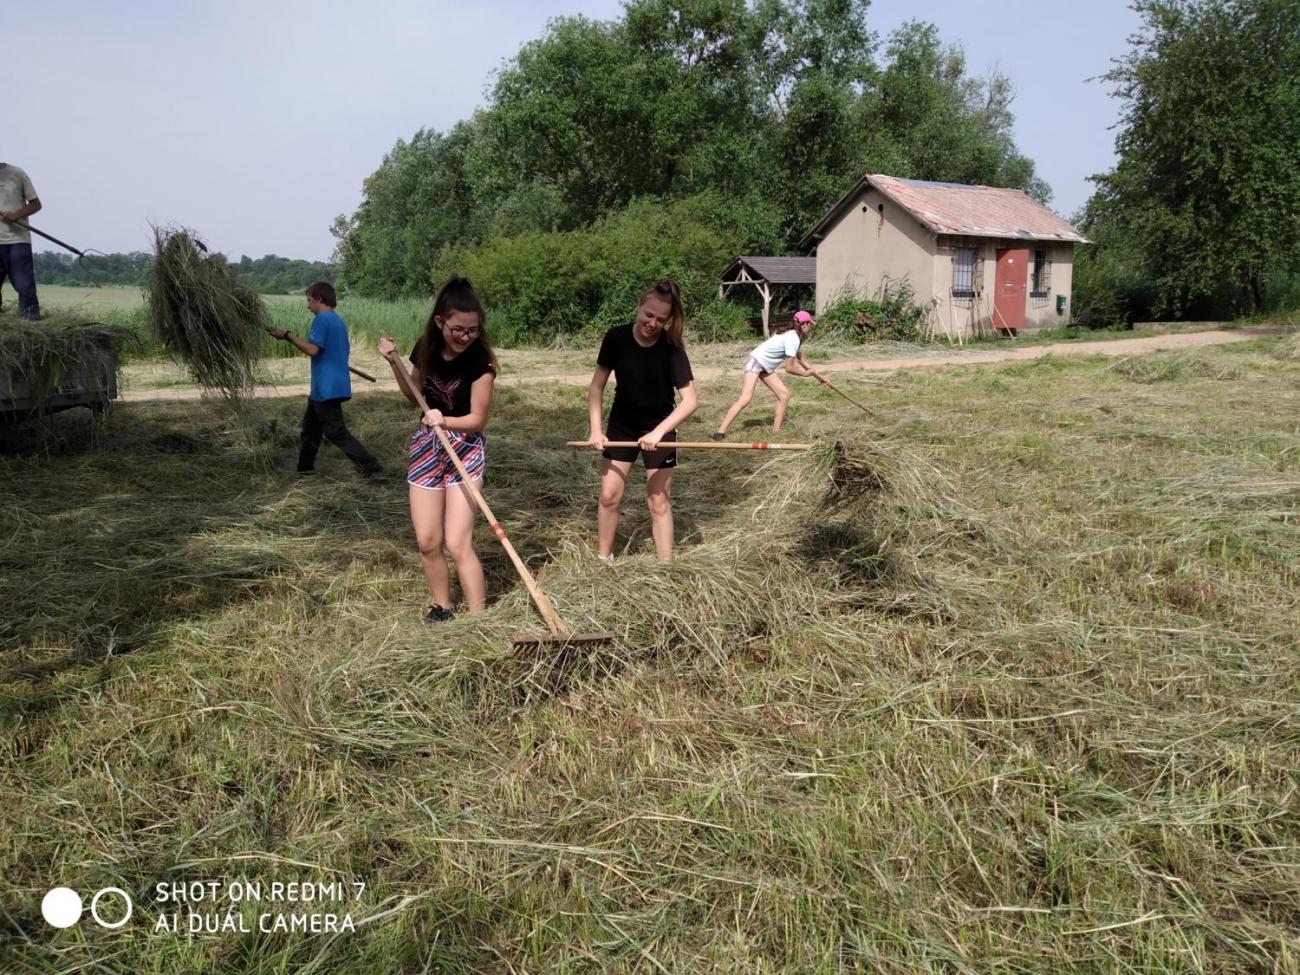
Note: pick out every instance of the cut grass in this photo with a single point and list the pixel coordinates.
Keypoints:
(1009, 684)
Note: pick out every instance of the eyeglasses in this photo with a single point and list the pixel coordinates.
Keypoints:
(464, 333)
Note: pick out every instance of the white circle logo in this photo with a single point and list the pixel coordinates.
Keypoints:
(61, 907)
(94, 908)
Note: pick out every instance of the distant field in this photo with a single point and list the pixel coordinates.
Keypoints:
(109, 299)
(403, 319)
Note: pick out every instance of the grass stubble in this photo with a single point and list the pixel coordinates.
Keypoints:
(1006, 682)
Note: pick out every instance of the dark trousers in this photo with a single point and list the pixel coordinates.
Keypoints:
(16, 263)
(325, 419)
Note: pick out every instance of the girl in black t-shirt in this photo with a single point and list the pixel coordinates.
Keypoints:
(648, 360)
(454, 366)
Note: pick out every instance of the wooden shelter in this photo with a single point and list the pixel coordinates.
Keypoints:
(766, 274)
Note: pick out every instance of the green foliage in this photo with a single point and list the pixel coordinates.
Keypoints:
(274, 275)
(96, 270)
(777, 106)
(1112, 284)
(547, 285)
(1206, 194)
(892, 313)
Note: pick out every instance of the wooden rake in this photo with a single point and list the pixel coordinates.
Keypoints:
(352, 369)
(559, 633)
(835, 389)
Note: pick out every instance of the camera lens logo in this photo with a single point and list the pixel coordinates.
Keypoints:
(62, 907)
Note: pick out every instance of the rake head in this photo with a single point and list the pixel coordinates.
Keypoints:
(561, 639)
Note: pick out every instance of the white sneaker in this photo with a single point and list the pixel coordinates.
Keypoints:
(605, 561)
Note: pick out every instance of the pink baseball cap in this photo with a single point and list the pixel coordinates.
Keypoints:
(803, 317)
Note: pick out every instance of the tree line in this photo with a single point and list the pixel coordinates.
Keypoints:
(267, 275)
(1200, 217)
(704, 120)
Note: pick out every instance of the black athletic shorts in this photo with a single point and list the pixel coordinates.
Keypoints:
(653, 459)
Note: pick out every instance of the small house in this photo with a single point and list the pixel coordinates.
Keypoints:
(980, 258)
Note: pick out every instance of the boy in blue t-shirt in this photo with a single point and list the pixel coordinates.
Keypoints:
(331, 386)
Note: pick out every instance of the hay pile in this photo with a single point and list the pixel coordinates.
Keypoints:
(37, 358)
(840, 537)
(202, 315)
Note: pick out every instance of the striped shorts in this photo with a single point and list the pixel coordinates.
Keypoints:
(430, 467)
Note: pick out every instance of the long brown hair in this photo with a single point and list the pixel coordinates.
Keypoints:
(456, 295)
(667, 290)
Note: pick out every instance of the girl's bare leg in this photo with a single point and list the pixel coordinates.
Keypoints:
(746, 396)
(658, 497)
(460, 543)
(613, 481)
(427, 509)
(782, 395)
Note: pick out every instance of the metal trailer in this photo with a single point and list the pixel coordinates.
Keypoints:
(92, 383)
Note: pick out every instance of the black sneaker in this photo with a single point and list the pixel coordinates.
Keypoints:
(717, 437)
(437, 614)
(306, 472)
(373, 473)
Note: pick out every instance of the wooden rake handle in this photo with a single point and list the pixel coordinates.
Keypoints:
(835, 389)
(698, 444)
(552, 618)
(351, 369)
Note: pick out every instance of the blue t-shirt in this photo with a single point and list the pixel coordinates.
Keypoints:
(329, 367)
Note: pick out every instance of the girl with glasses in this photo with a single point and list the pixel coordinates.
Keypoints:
(455, 368)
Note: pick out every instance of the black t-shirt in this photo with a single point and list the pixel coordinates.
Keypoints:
(646, 379)
(448, 388)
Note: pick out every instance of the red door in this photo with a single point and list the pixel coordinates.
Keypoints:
(1009, 290)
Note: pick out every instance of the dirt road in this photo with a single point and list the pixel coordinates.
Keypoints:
(1109, 347)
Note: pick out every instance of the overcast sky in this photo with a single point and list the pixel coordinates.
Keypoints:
(255, 121)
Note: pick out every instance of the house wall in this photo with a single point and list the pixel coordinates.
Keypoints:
(863, 248)
(963, 317)
(1041, 312)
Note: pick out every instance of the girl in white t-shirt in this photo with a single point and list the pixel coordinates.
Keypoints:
(763, 362)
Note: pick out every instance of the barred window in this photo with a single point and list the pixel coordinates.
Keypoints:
(1042, 277)
(963, 272)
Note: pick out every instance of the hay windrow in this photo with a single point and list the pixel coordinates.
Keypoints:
(1288, 349)
(202, 315)
(1163, 367)
(845, 529)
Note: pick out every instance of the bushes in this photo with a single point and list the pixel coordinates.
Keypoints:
(544, 286)
(892, 314)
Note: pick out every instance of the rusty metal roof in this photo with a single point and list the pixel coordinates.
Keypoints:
(959, 209)
(776, 270)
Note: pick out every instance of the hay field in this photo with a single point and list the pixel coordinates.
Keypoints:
(1011, 683)
(404, 319)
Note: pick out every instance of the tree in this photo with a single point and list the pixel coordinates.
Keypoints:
(775, 106)
(1207, 187)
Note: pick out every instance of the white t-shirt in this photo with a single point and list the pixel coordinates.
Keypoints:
(776, 349)
(16, 191)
